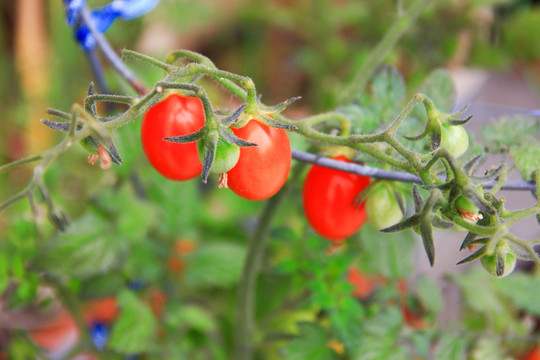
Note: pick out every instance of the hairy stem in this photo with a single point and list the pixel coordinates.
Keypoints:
(379, 54)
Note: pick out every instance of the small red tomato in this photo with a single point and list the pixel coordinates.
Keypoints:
(59, 334)
(329, 201)
(263, 169)
(364, 284)
(101, 310)
(175, 116)
(534, 354)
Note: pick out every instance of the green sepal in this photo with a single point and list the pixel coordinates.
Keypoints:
(229, 120)
(197, 135)
(426, 231)
(476, 255)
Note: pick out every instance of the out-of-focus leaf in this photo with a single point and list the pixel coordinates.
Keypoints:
(451, 347)
(380, 335)
(135, 216)
(101, 286)
(429, 294)
(310, 344)
(387, 254)
(215, 265)
(523, 290)
(526, 157)
(440, 88)
(380, 105)
(388, 90)
(84, 250)
(347, 329)
(488, 349)
(478, 293)
(510, 130)
(134, 330)
(191, 317)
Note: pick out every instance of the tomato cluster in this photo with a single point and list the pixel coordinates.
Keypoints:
(254, 173)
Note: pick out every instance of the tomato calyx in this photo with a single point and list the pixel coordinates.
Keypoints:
(445, 130)
(217, 145)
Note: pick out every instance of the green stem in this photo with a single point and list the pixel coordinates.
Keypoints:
(7, 167)
(379, 54)
(245, 303)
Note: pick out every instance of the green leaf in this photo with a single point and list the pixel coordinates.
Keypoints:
(380, 337)
(84, 250)
(101, 286)
(388, 88)
(451, 347)
(310, 344)
(510, 130)
(387, 254)
(526, 157)
(134, 331)
(215, 265)
(477, 292)
(429, 294)
(488, 349)
(523, 290)
(440, 88)
(135, 216)
(191, 317)
(347, 329)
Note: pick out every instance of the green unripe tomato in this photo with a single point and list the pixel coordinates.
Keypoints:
(507, 259)
(227, 156)
(455, 139)
(382, 208)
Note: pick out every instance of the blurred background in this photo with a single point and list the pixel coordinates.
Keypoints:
(175, 250)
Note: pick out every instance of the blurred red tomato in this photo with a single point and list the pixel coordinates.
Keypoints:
(364, 284)
(59, 333)
(102, 310)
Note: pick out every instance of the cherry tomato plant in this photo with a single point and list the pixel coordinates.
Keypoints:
(145, 259)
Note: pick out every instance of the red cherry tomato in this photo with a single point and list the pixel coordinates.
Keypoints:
(101, 310)
(263, 169)
(534, 354)
(175, 116)
(59, 333)
(329, 197)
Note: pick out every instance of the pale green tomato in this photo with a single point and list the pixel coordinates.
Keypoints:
(226, 157)
(490, 263)
(454, 139)
(382, 208)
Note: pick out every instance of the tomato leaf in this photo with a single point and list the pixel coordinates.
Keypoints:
(510, 130)
(214, 265)
(101, 286)
(450, 347)
(429, 294)
(134, 330)
(387, 254)
(380, 337)
(526, 157)
(440, 88)
(310, 344)
(86, 249)
(523, 290)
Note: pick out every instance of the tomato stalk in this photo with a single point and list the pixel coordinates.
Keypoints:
(245, 327)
